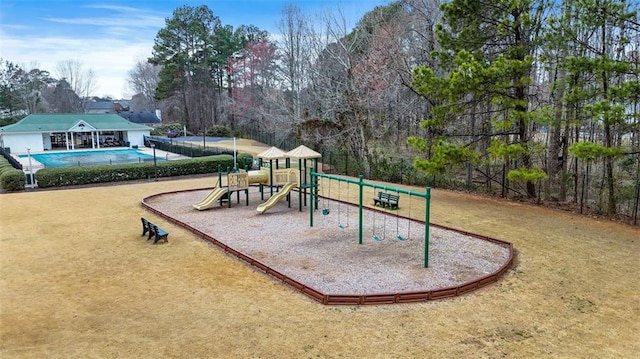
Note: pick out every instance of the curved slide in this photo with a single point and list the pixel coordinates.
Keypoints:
(211, 199)
(276, 197)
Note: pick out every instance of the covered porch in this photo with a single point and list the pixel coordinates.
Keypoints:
(83, 140)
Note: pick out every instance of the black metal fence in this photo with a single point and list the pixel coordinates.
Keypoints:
(7, 155)
(382, 167)
(186, 146)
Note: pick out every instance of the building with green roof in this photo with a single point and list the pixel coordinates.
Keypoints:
(44, 132)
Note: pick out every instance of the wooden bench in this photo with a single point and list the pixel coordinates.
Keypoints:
(154, 231)
(386, 200)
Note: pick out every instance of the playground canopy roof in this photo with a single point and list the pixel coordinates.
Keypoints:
(272, 154)
(303, 152)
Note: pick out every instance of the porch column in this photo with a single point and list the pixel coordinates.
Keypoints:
(66, 140)
(73, 141)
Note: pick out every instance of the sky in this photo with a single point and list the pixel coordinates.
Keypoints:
(110, 36)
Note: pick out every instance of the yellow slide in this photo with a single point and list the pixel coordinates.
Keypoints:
(276, 197)
(211, 199)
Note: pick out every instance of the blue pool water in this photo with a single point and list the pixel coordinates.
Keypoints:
(91, 158)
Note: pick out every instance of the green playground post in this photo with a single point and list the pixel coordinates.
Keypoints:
(361, 184)
(426, 222)
(360, 206)
(311, 198)
(228, 188)
(301, 185)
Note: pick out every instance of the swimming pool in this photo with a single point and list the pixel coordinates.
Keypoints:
(91, 158)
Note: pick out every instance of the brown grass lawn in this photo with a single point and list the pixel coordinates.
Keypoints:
(78, 281)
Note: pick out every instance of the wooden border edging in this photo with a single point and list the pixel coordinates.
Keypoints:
(351, 299)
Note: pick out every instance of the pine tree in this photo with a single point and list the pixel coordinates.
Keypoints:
(606, 80)
(488, 51)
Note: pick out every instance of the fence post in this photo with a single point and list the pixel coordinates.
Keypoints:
(346, 163)
(360, 206)
(312, 198)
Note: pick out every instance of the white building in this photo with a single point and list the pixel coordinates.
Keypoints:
(45, 132)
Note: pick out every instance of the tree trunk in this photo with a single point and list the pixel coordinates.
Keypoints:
(520, 42)
(556, 157)
(608, 160)
(608, 165)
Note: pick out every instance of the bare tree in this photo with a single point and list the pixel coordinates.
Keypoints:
(81, 80)
(355, 83)
(143, 81)
(61, 98)
(295, 49)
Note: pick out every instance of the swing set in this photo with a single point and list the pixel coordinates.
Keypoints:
(398, 235)
(326, 210)
(361, 184)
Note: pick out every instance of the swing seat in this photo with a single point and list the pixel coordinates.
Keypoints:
(325, 211)
(376, 238)
(400, 237)
(342, 226)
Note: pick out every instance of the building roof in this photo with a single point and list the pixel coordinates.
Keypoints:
(82, 122)
(103, 106)
(140, 117)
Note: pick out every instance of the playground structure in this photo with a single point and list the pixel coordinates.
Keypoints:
(283, 180)
(239, 181)
(325, 262)
(235, 182)
(332, 238)
(305, 178)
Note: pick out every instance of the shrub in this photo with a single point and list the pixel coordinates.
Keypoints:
(236, 132)
(244, 160)
(219, 131)
(164, 129)
(4, 165)
(68, 176)
(12, 180)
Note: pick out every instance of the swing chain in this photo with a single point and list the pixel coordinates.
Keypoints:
(325, 210)
(341, 225)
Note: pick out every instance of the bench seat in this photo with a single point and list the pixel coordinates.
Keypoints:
(153, 231)
(160, 234)
(385, 200)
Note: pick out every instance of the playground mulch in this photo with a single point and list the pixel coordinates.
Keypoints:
(328, 257)
(78, 281)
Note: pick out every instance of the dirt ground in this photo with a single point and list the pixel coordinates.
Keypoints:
(78, 281)
(242, 145)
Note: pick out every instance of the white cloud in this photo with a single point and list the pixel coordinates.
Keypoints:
(110, 59)
(108, 44)
(110, 39)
